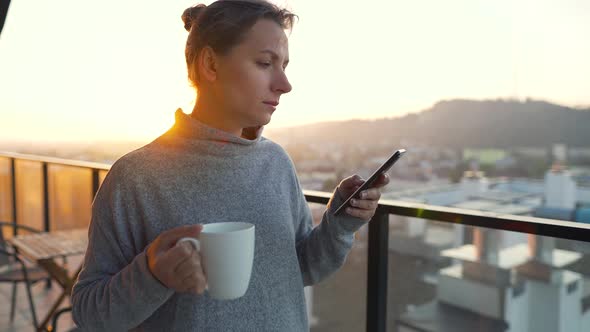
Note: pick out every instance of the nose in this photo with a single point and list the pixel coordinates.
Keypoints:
(281, 83)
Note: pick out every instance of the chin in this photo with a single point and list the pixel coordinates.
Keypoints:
(264, 120)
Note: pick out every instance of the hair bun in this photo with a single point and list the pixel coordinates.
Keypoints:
(190, 15)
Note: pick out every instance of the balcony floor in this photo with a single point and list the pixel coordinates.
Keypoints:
(43, 298)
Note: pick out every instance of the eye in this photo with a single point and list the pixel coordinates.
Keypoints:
(263, 64)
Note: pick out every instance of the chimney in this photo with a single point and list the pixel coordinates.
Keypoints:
(560, 188)
(559, 152)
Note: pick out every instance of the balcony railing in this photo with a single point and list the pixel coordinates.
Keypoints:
(378, 231)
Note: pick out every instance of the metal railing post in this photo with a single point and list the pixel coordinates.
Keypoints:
(46, 217)
(377, 272)
(95, 183)
(13, 189)
(45, 184)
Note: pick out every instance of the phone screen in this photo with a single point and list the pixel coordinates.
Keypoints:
(367, 184)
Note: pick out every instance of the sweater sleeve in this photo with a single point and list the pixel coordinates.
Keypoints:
(322, 250)
(115, 290)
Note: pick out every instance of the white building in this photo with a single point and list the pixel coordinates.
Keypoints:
(512, 277)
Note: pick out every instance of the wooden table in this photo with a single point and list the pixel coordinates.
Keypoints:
(43, 248)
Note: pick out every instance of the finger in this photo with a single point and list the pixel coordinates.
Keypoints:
(382, 181)
(197, 290)
(176, 255)
(370, 194)
(364, 204)
(201, 284)
(187, 256)
(350, 185)
(189, 283)
(188, 267)
(194, 290)
(365, 215)
(351, 182)
(169, 238)
(194, 284)
(183, 284)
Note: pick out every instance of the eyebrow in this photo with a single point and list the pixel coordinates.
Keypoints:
(274, 55)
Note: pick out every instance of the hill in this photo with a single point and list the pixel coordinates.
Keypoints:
(459, 123)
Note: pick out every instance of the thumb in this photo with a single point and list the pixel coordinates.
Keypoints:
(351, 182)
(169, 238)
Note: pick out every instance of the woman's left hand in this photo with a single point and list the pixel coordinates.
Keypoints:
(365, 206)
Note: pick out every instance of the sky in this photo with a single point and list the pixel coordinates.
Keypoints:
(74, 70)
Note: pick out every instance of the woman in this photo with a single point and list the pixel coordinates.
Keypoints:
(214, 166)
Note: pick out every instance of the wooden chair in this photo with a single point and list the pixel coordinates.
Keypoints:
(14, 269)
(56, 319)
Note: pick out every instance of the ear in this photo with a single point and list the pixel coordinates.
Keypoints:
(208, 64)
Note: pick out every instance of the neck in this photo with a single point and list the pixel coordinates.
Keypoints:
(213, 116)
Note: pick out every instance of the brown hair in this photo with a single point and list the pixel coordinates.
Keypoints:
(223, 24)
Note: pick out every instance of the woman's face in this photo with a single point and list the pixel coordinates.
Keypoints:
(251, 78)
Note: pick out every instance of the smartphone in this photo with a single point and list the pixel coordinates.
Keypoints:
(384, 168)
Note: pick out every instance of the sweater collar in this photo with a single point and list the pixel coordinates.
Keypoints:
(191, 128)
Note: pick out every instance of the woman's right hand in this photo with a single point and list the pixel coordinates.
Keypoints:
(177, 266)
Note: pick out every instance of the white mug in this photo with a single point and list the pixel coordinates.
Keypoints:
(227, 254)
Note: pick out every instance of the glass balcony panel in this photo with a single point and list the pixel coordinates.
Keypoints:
(29, 193)
(70, 192)
(5, 194)
(5, 190)
(339, 303)
(446, 277)
(101, 176)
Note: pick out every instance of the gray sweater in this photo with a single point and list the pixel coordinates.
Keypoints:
(195, 174)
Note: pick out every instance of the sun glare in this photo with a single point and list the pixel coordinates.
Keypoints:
(118, 70)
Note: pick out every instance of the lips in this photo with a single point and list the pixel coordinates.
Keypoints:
(272, 103)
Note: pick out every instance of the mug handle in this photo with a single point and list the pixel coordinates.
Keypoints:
(194, 242)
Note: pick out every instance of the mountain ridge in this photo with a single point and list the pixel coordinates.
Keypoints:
(459, 123)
